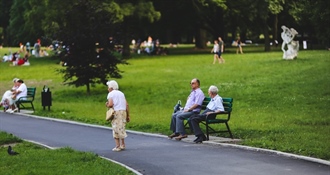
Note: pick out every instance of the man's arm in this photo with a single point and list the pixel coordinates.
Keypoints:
(192, 108)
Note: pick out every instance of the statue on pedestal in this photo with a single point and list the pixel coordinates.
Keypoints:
(292, 45)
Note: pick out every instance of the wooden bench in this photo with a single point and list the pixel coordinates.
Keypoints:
(217, 118)
(29, 98)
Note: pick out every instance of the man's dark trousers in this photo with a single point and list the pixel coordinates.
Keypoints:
(195, 120)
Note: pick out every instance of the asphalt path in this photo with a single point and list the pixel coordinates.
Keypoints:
(153, 154)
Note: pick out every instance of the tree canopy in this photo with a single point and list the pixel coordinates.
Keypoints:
(85, 26)
(172, 21)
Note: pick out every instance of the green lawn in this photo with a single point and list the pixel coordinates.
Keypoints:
(33, 159)
(280, 105)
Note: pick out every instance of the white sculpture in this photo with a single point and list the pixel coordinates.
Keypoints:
(292, 46)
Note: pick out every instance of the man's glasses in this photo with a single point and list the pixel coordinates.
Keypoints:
(193, 83)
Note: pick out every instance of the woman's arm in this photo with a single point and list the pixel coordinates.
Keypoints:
(127, 112)
(109, 103)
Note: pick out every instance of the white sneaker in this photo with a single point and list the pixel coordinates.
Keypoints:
(9, 110)
(15, 110)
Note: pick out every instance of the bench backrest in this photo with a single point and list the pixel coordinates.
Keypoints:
(227, 103)
(31, 91)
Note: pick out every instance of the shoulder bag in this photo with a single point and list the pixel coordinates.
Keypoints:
(110, 114)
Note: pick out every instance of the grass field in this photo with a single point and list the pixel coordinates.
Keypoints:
(279, 105)
(34, 159)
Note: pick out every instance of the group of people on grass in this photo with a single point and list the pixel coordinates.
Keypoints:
(10, 97)
(16, 60)
(116, 100)
(21, 57)
(149, 47)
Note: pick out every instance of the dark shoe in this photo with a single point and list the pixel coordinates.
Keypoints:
(173, 135)
(196, 139)
(200, 139)
(181, 137)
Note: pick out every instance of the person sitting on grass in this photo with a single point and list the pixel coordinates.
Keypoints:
(6, 58)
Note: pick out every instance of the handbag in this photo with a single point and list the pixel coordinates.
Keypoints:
(177, 107)
(110, 114)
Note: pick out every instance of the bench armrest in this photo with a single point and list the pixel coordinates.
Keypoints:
(214, 114)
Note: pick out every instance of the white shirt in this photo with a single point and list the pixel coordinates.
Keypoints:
(119, 100)
(6, 58)
(216, 104)
(216, 48)
(23, 90)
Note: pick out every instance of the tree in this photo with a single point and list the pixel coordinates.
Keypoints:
(25, 23)
(82, 25)
(254, 15)
(193, 19)
(134, 14)
(4, 20)
(209, 18)
(314, 18)
(16, 29)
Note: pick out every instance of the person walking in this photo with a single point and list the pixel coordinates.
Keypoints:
(117, 100)
(221, 46)
(193, 106)
(215, 51)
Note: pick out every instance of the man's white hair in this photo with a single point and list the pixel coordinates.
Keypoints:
(113, 84)
(213, 89)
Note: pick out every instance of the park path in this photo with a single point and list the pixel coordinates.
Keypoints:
(155, 154)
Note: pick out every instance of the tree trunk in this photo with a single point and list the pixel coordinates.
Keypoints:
(242, 35)
(267, 40)
(275, 28)
(126, 49)
(126, 52)
(200, 41)
(88, 88)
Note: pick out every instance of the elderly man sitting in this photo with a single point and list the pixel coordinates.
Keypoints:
(215, 105)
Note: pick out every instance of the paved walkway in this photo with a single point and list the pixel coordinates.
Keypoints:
(153, 154)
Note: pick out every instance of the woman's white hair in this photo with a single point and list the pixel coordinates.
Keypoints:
(15, 80)
(113, 84)
(213, 89)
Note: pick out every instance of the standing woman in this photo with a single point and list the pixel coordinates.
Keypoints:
(215, 51)
(117, 100)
